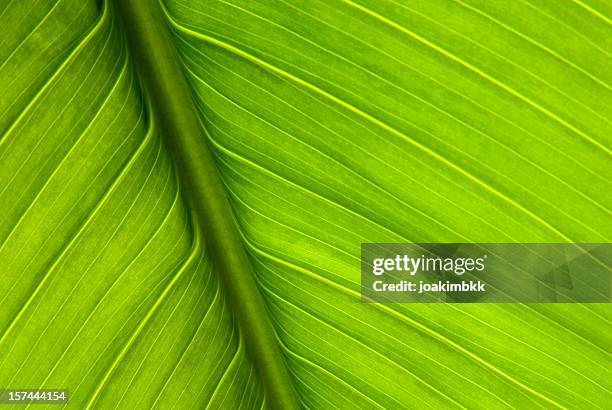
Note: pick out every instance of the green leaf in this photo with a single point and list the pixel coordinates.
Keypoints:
(107, 289)
(331, 123)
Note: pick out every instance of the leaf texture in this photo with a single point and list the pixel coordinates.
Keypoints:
(337, 123)
(333, 123)
(106, 290)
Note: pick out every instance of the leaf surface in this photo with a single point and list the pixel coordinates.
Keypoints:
(332, 123)
(106, 290)
(337, 123)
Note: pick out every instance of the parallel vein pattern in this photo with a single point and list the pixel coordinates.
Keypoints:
(105, 291)
(342, 122)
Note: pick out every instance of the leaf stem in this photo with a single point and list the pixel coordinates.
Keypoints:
(164, 84)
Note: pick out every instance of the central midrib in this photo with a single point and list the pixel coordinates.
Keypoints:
(168, 92)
